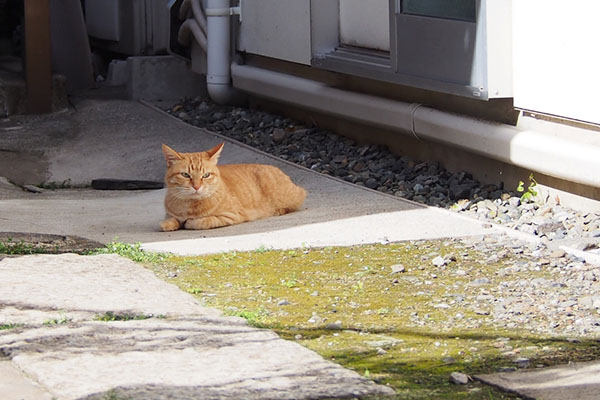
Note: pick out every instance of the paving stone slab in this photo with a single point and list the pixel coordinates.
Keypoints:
(177, 358)
(14, 385)
(579, 381)
(185, 351)
(98, 284)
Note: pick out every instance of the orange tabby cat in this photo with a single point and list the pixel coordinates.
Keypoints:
(202, 195)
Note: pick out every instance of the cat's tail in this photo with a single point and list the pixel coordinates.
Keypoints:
(295, 196)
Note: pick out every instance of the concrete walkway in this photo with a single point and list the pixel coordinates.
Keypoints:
(192, 352)
(90, 145)
(185, 351)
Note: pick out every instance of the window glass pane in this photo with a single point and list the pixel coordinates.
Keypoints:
(463, 10)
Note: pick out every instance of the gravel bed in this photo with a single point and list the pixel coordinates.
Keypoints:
(377, 168)
(541, 290)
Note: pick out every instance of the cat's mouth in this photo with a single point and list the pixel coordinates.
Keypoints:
(199, 194)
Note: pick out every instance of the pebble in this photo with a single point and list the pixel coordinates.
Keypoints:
(439, 261)
(521, 362)
(337, 325)
(459, 378)
(398, 268)
(480, 281)
(33, 189)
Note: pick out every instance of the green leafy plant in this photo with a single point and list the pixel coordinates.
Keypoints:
(11, 247)
(62, 319)
(132, 251)
(529, 193)
(254, 318)
(111, 316)
(4, 327)
(262, 249)
(291, 282)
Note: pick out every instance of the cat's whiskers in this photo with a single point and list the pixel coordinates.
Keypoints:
(179, 193)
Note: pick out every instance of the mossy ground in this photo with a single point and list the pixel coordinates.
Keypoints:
(348, 306)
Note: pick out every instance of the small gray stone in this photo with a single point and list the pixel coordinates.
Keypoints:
(398, 268)
(419, 189)
(459, 378)
(559, 253)
(485, 297)
(278, 135)
(283, 303)
(521, 362)
(337, 325)
(439, 261)
(371, 183)
(33, 189)
(315, 319)
(479, 282)
(514, 201)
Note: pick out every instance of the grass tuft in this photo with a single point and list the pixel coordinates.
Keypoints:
(12, 247)
(111, 316)
(133, 252)
(4, 327)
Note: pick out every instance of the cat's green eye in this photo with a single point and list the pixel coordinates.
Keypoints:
(185, 175)
(206, 175)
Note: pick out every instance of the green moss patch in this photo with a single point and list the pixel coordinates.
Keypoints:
(404, 329)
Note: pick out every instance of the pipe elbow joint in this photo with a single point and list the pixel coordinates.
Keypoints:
(225, 94)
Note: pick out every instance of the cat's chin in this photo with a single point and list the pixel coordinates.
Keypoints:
(199, 196)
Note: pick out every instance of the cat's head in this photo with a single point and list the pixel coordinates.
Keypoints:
(192, 175)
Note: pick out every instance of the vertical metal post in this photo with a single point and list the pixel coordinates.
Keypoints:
(38, 71)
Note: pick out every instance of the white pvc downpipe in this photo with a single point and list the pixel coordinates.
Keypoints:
(211, 28)
(556, 156)
(218, 74)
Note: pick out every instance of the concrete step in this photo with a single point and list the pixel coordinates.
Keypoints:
(13, 89)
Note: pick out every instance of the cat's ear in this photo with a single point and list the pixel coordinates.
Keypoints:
(215, 152)
(170, 155)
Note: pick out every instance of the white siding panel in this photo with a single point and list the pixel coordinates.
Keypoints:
(276, 28)
(557, 57)
(365, 23)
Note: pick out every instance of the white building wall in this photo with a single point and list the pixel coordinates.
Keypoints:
(277, 28)
(365, 23)
(557, 57)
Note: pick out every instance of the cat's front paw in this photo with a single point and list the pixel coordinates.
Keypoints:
(197, 223)
(170, 224)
